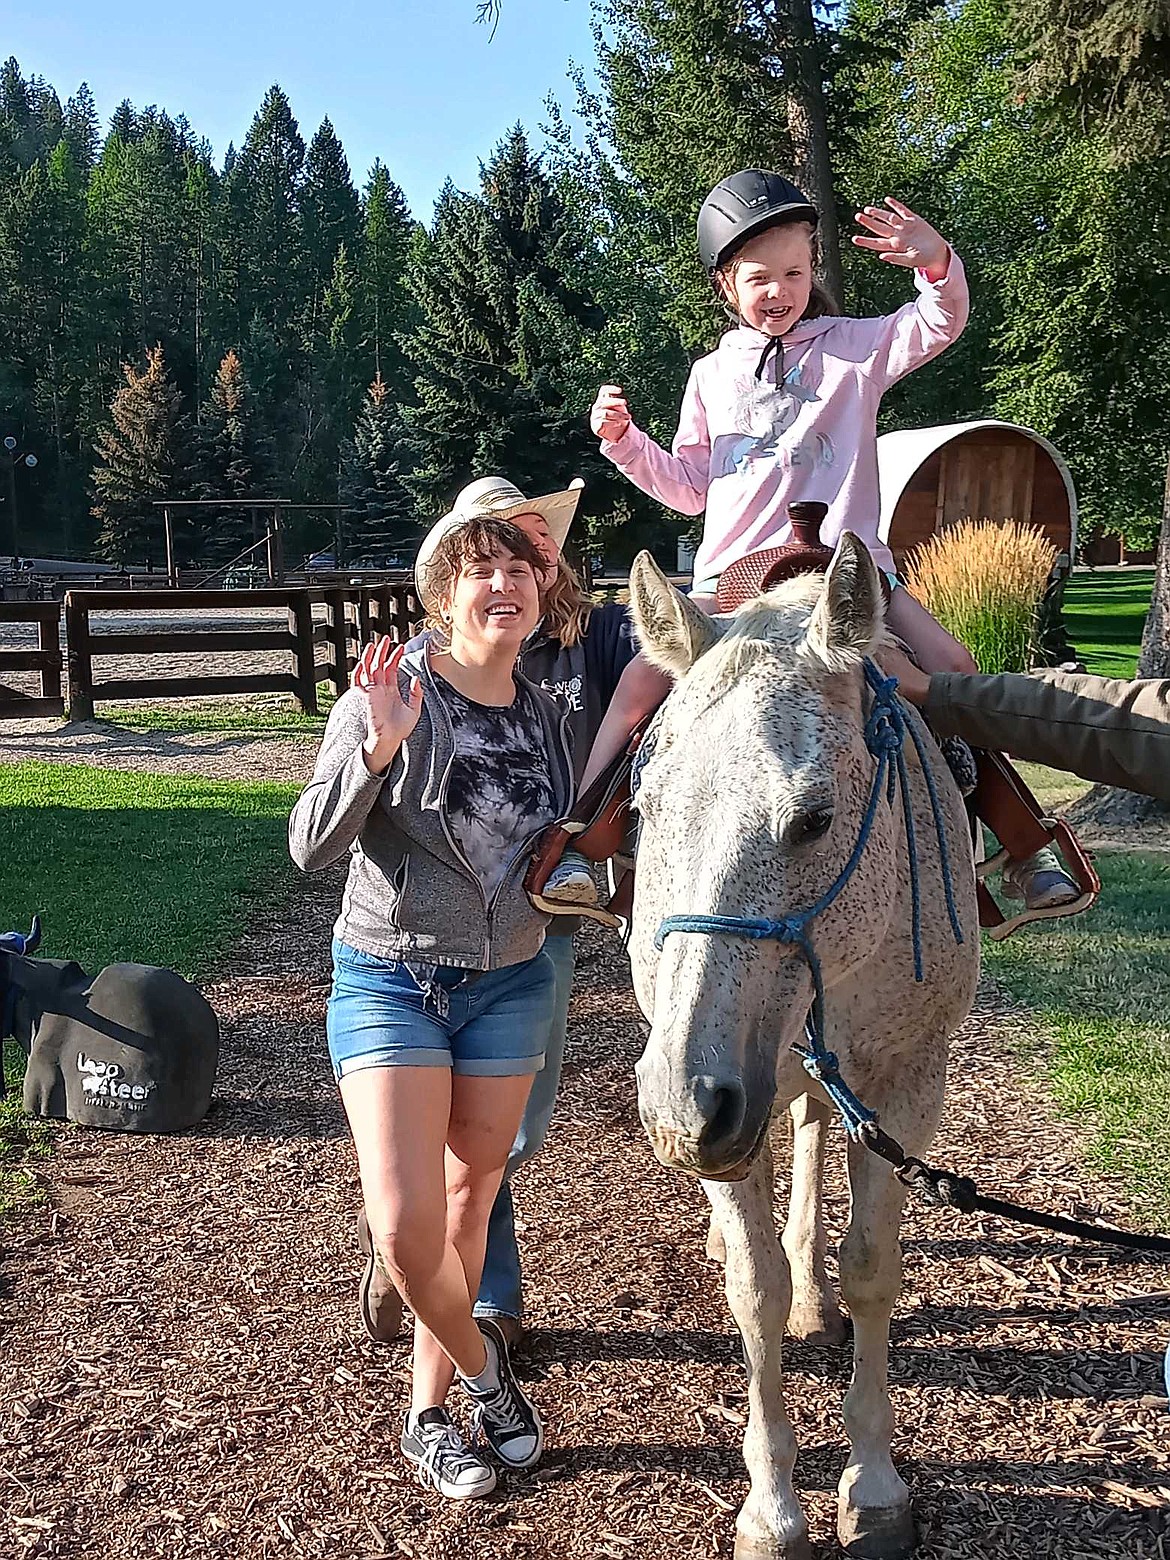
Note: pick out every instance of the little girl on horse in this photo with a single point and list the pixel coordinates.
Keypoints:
(785, 410)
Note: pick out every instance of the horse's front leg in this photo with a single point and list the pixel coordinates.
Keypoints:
(770, 1525)
(814, 1314)
(874, 1520)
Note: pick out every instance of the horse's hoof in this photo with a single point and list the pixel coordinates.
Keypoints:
(755, 1547)
(829, 1329)
(876, 1532)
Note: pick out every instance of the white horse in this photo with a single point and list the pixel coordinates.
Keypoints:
(751, 805)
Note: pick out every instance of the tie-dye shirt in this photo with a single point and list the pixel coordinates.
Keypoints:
(500, 790)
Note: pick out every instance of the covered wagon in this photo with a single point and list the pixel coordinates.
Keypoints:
(988, 470)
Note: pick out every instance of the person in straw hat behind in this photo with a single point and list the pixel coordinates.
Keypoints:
(582, 653)
(438, 769)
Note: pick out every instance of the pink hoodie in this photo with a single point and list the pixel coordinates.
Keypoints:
(746, 447)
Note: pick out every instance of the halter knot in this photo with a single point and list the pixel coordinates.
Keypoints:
(885, 725)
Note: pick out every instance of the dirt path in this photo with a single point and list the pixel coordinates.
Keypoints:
(184, 1374)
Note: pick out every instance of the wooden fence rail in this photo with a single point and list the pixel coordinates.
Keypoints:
(352, 615)
(45, 660)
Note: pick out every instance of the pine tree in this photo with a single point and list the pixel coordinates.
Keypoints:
(329, 207)
(81, 128)
(381, 521)
(235, 461)
(502, 383)
(266, 179)
(331, 387)
(136, 225)
(144, 456)
(385, 303)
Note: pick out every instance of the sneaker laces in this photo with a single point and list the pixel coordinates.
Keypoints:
(499, 1404)
(447, 1446)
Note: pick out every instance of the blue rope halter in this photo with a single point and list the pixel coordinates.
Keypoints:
(886, 728)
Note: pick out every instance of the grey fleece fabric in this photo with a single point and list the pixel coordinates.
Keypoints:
(409, 895)
(1112, 732)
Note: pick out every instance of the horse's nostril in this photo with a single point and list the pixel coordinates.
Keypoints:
(727, 1107)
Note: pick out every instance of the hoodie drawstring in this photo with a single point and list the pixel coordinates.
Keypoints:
(775, 344)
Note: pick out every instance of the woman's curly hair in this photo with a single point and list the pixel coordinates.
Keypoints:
(566, 606)
(474, 541)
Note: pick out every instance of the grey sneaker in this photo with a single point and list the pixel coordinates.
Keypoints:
(431, 1441)
(571, 881)
(1040, 881)
(504, 1416)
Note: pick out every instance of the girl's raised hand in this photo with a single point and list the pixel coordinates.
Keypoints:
(900, 236)
(390, 717)
(610, 416)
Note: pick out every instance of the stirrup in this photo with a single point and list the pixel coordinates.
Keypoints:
(597, 828)
(1015, 817)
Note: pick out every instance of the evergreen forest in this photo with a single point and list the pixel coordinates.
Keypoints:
(274, 323)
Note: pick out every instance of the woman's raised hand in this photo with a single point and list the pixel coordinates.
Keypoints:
(390, 717)
(900, 236)
(610, 416)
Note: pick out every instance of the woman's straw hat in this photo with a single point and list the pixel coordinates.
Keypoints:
(498, 499)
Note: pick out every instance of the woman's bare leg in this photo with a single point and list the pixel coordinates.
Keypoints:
(485, 1117)
(400, 1118)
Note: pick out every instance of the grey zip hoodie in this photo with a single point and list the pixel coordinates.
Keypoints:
(410, 894)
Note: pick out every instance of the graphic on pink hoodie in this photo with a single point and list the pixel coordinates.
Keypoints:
(747, 446)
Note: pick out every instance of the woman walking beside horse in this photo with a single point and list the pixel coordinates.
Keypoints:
(437, 769)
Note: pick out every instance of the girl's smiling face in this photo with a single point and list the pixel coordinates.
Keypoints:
(769, 281)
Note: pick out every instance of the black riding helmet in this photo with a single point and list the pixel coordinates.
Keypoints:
(743, 205)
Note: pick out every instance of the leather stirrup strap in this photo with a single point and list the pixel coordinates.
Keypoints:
(597, 824)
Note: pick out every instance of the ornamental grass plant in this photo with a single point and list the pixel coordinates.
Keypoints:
(984, 582)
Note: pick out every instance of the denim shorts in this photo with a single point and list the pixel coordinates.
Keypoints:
(385, 1014)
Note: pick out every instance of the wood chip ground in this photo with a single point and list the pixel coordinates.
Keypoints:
(183, 1373)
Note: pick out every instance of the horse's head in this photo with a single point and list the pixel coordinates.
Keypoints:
(750, 803)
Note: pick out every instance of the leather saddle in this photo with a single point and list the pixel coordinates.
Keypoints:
(599, 825)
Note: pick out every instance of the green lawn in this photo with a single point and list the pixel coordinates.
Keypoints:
(1099, 987)
(236, 719)
(148, 868)
(1105, 613)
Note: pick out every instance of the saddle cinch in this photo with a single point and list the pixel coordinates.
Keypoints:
(599, 825)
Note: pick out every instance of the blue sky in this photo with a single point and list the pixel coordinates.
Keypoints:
(415, 82)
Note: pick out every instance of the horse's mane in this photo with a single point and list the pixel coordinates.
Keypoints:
(772, 628)
(771, 623)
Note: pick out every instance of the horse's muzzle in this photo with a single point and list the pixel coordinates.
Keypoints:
(718, 1143)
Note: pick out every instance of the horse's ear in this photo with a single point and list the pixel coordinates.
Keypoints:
(846, 624)
(671, 630)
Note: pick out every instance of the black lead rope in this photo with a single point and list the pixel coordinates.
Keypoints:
(944, 1189)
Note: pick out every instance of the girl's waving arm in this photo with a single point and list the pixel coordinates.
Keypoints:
(678, 480)
(924, 328)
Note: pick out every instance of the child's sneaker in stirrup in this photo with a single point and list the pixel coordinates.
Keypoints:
(431, 1441)
(505, 1418)
(1040, 881)
(571, 881)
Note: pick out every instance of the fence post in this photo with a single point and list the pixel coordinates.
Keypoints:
(339, 639)
(78, 658)
(365, 618)
(300, 627)
(49, 641)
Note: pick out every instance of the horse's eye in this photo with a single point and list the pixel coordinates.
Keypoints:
(812, 824)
